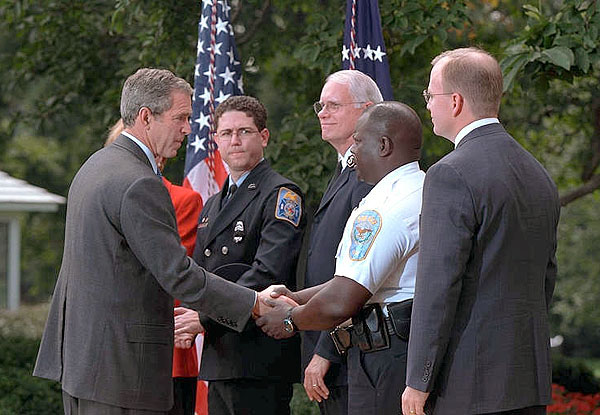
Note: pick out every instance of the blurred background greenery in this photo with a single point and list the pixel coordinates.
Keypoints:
(63, 62)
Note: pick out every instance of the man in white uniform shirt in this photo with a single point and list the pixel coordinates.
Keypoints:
(375, 265)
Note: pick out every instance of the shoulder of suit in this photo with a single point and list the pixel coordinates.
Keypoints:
(211, 200)
(272, 180)
(288, 202)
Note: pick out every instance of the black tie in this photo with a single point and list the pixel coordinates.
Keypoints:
(336, 174)
(337, 171)
(230, 193)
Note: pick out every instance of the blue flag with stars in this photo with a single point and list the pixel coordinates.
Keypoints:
(363, 47)
(218, 76)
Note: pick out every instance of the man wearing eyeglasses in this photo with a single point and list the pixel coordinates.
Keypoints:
(343, 99)
(249, 233)
(479, 340)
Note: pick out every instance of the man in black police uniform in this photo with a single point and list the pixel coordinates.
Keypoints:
(250, 233)
(344, 97)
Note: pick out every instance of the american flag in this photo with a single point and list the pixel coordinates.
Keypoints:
(218, 76)
(363, 47)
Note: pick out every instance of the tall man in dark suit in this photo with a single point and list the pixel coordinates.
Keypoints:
(343, 99)
(109, 335)
(249, 233)
(479, 340)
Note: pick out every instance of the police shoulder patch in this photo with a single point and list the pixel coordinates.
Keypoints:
(365, 229)
(289, 206)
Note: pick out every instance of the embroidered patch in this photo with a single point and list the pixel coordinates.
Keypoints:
(364, 231)
(289, 206)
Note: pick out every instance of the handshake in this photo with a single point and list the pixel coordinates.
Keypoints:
(271, 298)
(271, 308)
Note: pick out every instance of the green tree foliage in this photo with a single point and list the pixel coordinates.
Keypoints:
(559, 52)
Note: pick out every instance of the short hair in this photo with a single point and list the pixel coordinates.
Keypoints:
(396, 120)
(251, 106)
(151, 88)
(476, 75)
(360, 85)
(114, 132)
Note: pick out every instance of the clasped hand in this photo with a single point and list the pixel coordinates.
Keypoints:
(187, 326)
(272, 308)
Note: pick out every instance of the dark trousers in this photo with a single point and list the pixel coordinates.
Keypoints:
(530, 410)
(249, 397)
(184, 396)
(336, 403)
(376, 380)
(76, 406)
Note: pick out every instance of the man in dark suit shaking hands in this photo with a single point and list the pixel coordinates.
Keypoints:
(479, 338)
(109, 335)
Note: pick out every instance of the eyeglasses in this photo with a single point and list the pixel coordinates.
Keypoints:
(332, 107)
(241, 133)
(428, 95)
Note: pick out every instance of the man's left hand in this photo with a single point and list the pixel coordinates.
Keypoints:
(413, 401)
(272, 322)
(314, 374)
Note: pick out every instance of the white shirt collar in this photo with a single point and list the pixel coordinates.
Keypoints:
(383, 186)
(344, 159)
(403, 170)
(470, 127)
(145, 149)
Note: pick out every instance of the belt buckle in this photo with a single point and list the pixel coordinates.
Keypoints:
(342, 339)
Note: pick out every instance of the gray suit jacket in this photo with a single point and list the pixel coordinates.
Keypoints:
(479, 338)
(109, 335)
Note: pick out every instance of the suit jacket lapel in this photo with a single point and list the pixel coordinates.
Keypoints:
(334, 188)
(240, 199)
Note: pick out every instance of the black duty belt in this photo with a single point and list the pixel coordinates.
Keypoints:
(371, 330)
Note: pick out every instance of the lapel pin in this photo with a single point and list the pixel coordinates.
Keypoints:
(203, 223)
(252, 186)
(351, 162)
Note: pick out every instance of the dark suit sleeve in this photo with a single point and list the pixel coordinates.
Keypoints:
(148, 224)
(447, 229)
(277, 253)
(325, 347)
(551, 270)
